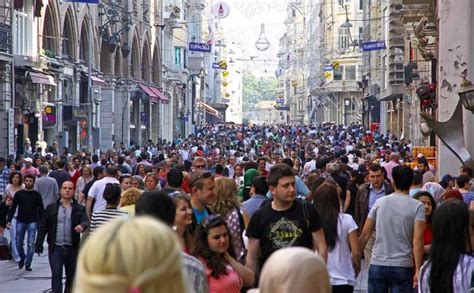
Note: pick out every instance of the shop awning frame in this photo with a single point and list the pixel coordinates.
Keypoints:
(209, 109)
(163, 98)
(41, 78)
(151, 94)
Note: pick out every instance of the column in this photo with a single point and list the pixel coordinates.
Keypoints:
(107, 113)
(453, 42)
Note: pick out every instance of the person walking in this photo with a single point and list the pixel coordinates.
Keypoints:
(213, 246)
(30, 211)
(399, 224)
(15, 185)
(284, 222)
(97, 191)
(111, 196)
(367, 195)
(46, 186)
(450, 265)
(63, 222)
(340, 232)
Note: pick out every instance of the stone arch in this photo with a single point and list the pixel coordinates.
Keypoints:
(69, 38)
(50, 36)
(146, 60)
(135, 57)
(118, 68)
(156, 65)
(84, 41)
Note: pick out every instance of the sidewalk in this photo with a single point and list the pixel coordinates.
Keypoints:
(13, 280)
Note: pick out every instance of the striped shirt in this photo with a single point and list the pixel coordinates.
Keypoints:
(101, 217)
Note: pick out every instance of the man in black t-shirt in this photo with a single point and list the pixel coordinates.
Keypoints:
(283, 222)
(30, 212)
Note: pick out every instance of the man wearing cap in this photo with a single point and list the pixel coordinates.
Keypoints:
(29, 169)
(448, 182)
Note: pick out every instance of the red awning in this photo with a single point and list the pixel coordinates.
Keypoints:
(163, 98)
(151, 94)
(97, 81)
(209, 109)
(41, 78)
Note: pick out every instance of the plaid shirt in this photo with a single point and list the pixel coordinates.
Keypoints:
(194, 274)
(4, 179)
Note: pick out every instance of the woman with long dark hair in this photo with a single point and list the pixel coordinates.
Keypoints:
(213, 246)
(430, 205)
(450, 264)
(340, 231)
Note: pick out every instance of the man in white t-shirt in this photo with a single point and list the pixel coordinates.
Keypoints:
(399, 224)
(97, 190)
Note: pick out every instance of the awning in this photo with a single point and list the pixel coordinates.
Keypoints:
(151, 94)
(209, 109)
(163, 98)
(97, 81)
(41, 78)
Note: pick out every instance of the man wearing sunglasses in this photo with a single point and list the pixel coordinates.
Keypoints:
(201, 184)
(285, 222)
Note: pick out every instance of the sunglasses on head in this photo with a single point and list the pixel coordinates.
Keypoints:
(204, 175)
(212, 220)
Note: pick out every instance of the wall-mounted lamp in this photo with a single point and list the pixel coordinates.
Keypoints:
(466, 94)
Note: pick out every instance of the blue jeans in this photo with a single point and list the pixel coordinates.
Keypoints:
(21, 229)
(59, 257)
(15, 255)
(397, 279)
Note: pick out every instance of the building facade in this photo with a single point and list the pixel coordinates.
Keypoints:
(98, 75)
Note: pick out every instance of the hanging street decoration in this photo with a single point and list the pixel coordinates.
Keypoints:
(262, 44)
(220, 10)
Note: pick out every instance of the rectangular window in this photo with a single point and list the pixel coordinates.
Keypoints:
(338, 73)
(21, 33)
(361, 4)
(361, 33)
(350, 72)
(178, 58)
(343, 40)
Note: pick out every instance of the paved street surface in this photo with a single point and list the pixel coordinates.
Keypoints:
(14, 280)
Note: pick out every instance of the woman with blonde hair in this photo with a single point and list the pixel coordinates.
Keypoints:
(86, 177)
(294, 269)
(109, 261)
(227, 204)
(128, 199)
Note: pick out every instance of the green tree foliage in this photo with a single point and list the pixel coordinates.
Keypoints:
(256, 89)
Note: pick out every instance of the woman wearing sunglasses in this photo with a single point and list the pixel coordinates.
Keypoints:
(213, 247)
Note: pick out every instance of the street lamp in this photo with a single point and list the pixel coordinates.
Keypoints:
(466, 94)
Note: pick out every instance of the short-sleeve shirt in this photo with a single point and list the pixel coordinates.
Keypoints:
(339, 263)
(281, 229)
(395, 216)
(97, 192)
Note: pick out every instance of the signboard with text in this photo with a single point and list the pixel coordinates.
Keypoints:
(49, 115)
(373, 46)
(200, 47)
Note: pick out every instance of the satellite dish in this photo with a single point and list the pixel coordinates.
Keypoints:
(220, 10)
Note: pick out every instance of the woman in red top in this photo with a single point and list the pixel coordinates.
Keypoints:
(213, 247)
(430, 205)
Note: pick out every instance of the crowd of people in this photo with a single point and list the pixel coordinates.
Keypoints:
(269, 208)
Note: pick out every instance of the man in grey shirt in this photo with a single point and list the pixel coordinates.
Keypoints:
(47, 187)
(399, 223)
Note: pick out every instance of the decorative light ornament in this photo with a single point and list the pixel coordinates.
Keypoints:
(286, 62)
(262, 44)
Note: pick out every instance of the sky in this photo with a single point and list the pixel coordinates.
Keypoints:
(242, 29)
